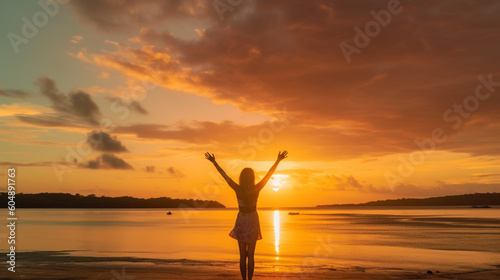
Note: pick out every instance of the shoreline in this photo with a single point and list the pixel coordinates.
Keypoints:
(64, 265)
(298, 208)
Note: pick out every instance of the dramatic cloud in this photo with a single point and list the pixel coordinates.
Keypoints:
(105, 161)
(409, 190)
(76, 109)
(51, 120)
(193, 132)
(408, 80)
(78, 104)
(14, 93)
(358, 92)
(348, 183)
(308, 142)
(110, 15)
(102, 141)
(173, 172)
(132, 105)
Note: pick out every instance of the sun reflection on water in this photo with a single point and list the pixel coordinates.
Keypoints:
(277, 233)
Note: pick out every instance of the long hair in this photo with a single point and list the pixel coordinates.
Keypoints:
(247, 179)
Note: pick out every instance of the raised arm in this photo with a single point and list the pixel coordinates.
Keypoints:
(263, 182)
(230, 182)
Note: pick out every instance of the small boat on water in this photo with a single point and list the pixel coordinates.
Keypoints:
(169, 213)
(293, 213)
(484, 206)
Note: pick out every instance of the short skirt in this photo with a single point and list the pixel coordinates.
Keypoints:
(247, 227)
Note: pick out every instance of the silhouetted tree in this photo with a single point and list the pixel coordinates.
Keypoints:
(66, 200)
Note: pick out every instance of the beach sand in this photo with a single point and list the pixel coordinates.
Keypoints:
(63, 265)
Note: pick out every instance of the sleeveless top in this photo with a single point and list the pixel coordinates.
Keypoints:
(247, 201)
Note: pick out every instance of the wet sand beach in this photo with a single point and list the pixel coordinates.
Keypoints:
(317, 244)
(64, 265)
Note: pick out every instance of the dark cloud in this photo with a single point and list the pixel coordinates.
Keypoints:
(349, 183)
(102, 141)
(51, 120)
(286, 53)
(107, 161)
(258, 141)
(170, 171)
(132, 105)
(173, 172)
(14, 93)
(48, 88)
(81, 104)
(74, 109)
(194, 132)
(128, 14)
(410, 190)
(487, 175)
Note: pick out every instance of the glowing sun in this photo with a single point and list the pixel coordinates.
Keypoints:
(277, 181)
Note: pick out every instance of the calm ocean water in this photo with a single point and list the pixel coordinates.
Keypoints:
(399, 238)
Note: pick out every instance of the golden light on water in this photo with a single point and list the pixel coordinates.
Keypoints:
(277, 233)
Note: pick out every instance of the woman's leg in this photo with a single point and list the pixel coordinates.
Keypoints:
(251, 262)
(243, 259)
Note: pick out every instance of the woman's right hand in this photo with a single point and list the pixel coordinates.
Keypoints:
(210, 157)
(282, 155)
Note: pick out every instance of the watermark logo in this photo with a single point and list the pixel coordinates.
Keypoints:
(32, 25)
(454, 116)
(372, 29)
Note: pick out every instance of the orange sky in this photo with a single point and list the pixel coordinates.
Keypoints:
(411, 110)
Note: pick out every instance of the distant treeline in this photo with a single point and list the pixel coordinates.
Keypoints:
(451, 200)
(66, 200)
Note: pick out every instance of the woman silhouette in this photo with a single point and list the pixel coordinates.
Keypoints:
(247, 227)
